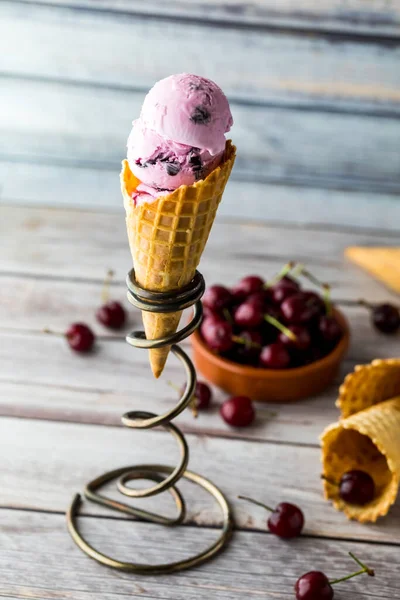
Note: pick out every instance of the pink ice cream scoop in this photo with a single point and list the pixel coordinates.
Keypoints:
(180, 135)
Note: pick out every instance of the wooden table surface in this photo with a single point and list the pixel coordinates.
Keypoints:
(61, 412)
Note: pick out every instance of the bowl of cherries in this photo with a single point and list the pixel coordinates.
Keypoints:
(271, 340)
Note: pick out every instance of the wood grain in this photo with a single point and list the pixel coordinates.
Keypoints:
(254, 566)
(84, 187)
(66, 124)
(59, 385)
(81, 245)
(355, 16)
(274, 66)
(55, 460)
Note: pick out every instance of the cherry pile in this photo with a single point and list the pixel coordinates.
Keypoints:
(273, 325)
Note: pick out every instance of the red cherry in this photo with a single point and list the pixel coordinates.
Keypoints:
(238, 411)
(217, 334)
(248, 351)
(302, 341)
(202, 396)
(246, 286)
(284, 288)
(316, 586)
(285, 521)
(80, 337)
(111, 315)
(216, 298)
(314, 301)
(357, 487)
(386, 318)
(249, 315)
(313, 586)
(296, 310)
(275, 356)
(260, 299)
(329, 329)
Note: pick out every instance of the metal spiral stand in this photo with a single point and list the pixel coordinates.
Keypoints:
(163, 476)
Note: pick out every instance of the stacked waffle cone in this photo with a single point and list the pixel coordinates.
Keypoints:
(167, 238)
(366, 438)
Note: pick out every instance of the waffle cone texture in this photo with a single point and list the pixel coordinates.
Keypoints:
(167, 238)
(366, 438)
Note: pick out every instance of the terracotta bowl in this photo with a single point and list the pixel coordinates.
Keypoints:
(271, 385)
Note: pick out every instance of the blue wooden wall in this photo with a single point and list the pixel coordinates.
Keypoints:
(314, 87)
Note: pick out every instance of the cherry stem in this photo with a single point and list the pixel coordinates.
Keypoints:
(192, 404)
(105, 294)
(247, 499)
(239, 340)
(329, 480)
(306, 273)
(227, 315)
(327, 299)
(284, 271)
(364, 569)
(365, 303)
(51, 332)
(281, 327)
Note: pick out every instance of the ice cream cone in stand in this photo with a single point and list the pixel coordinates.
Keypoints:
(178, 163)
(367, 438)
(167, 238)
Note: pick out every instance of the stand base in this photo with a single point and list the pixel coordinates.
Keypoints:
(152, 472)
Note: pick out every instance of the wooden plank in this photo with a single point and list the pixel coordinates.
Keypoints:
(59, 385)
(55, 460)
(81, 245)
(254, 565)
(274, 67)
(66, 124)
(279, 67)
(35, 184)
(355, 16)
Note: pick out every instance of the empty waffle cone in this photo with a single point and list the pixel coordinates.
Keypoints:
(368, 441)
(369, 385)
(167, 238)
(382, 263)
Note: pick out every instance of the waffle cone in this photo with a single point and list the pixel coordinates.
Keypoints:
(382, 263)
(369, 385)
(369, 441)
(167, 238)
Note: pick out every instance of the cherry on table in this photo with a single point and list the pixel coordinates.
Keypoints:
(80, 337)
(216, 298)
(111, 315)
(217, 334)
(357, 487)
(386, 318)
(286, 520)
(238, 411)
(247, 286)
(315, 585)
(202, 396)
(274, 356)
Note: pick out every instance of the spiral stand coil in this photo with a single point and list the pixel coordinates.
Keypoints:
(164, 477)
